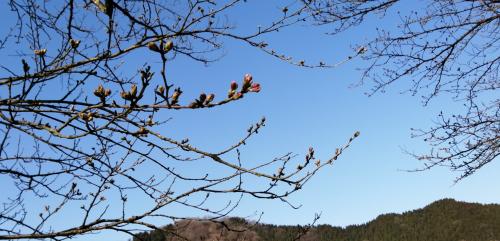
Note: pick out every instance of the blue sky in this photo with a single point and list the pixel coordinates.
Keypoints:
(320, 108)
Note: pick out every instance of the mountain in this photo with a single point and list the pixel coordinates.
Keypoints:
(443, 220)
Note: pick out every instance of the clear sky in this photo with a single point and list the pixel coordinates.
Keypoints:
(320, 108)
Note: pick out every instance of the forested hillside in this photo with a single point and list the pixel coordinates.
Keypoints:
(444, 220)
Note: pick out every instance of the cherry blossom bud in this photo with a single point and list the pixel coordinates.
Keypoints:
(209, 99)
(247, 78)
(168, 46)
(99, 91)
(311, 151)
(153, 47)
(160, 90)
(133, 90)
(40, 52)
(202, 97)
(247, 82)
(234, 85)
(125, 95)
(255, 87)
(86, 117)
(175, 96)
(74, 43)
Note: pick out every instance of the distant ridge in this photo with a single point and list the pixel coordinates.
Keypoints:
(443, 220)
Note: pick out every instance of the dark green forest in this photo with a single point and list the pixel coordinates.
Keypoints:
(444, 220)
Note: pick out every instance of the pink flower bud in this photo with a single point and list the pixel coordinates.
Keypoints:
(255, 87)
(248, 78)
(234, 85)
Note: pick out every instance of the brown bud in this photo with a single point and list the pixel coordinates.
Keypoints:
(202, 97)
(160, 90)
(209, 99)
(133, 90)
(74, 43)
(175, 96)
(86, 117)
(153, 47)
(40, 52)
(99, 91)
(107, 92)
(318, 163)
(168, 46)
(126, 95)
